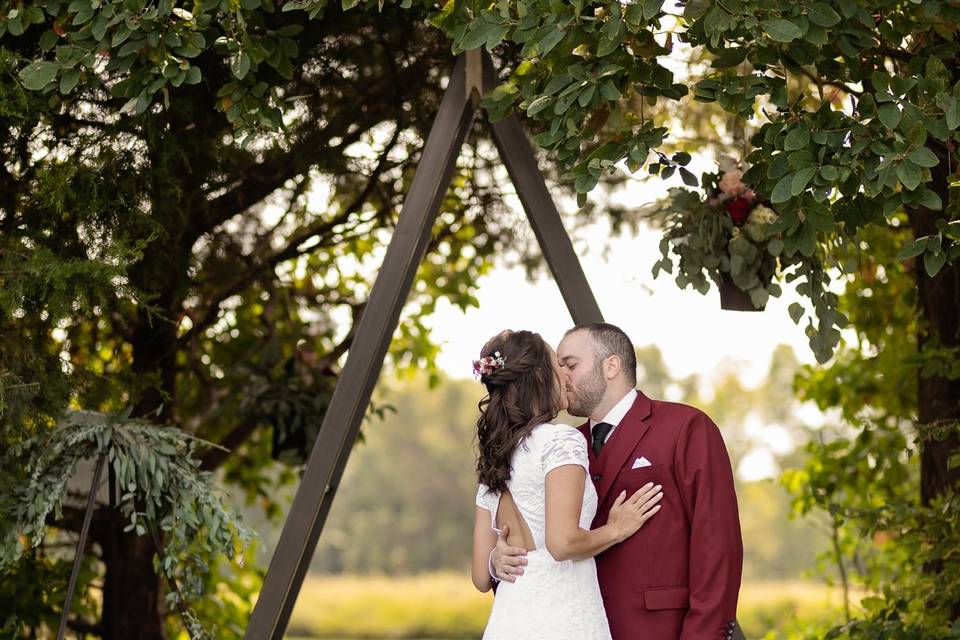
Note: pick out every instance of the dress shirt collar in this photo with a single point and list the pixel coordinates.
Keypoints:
(619, 410)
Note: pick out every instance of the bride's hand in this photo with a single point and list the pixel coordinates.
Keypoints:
(627, 515)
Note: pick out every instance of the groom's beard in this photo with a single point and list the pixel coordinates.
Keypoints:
(587, 395)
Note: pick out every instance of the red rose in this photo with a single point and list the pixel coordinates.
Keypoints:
(738, 209)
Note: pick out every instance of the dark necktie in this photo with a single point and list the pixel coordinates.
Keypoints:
(600, 431)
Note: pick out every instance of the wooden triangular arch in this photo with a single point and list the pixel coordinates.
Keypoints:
(473, 75)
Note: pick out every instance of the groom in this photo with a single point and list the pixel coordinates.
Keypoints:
(679, 576)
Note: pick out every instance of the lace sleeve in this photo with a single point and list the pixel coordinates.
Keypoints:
(489, 500)
(486, 499)
(566, 446)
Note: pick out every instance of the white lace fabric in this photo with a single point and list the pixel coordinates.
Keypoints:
(552, 600)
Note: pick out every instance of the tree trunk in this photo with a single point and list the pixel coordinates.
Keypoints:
(132, 595)
(938, 397)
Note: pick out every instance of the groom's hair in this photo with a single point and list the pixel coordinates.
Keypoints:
(610, 340)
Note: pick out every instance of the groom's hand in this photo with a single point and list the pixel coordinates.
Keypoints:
(507, 561)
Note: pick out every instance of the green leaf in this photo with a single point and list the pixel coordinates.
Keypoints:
(607, 46)
(120, 36)
(781, 30)
(889, 115)
(99, 28)
(187, 50)
(781, 192)
(952, 114)
(759, 297)
(651, 8)
(48, 40)
(775, 247)
(688, 178)
(552, 39)
(917, 136)
(69, 80)
(488, 30)
(930, 200)
(39, 74)
(796, 312)
(240, 66)
(539, 105)
(933, 261)
(807, 240)
(923, 157)
(290, 30)
(587, 95)
(909, 175)
(800, 180)
(797, 139)
(913, 249)
(829, 172)
(556, 83)
(609, 91)
(736, 264)
(823, 15)
(953, 230)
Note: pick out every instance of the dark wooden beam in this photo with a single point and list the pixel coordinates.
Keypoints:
(521, 164)
(352, 395)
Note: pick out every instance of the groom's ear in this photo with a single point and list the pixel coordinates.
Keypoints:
(612, 367)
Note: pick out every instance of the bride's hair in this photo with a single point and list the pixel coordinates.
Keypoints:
(522, 393)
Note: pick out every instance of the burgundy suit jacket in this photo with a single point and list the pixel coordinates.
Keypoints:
(677, 578)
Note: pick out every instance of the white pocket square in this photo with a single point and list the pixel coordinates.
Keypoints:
(641, 462)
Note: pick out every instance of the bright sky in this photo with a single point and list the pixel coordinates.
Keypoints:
(691, 330)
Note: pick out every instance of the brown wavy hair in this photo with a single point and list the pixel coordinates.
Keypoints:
(521, 395)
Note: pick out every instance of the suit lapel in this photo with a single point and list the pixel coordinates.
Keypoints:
(623, 442)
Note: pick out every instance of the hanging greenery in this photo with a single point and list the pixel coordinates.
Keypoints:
(160, 488)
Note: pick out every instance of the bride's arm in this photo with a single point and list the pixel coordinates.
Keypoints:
(484, 539)
(564, 499)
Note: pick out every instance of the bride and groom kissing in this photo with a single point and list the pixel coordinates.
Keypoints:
(626, 527)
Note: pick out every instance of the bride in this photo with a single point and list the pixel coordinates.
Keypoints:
(534, 489)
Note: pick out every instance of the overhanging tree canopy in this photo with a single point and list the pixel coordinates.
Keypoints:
(856, 104)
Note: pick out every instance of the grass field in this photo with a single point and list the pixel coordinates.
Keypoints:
(447, 606)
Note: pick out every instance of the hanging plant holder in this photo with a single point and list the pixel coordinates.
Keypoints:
(733, 298)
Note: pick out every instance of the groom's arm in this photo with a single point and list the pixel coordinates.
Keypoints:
(716, 547)
(507, 562)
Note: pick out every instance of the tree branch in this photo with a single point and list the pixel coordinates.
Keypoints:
(267, 176)
(216, 456)
(292, 250)
(83, 628)
(830, 83)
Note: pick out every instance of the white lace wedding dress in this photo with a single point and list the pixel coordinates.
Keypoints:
(552, 600)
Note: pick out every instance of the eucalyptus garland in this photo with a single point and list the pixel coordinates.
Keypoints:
(161, 491)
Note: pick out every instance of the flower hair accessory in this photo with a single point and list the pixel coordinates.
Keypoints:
(488, 364)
